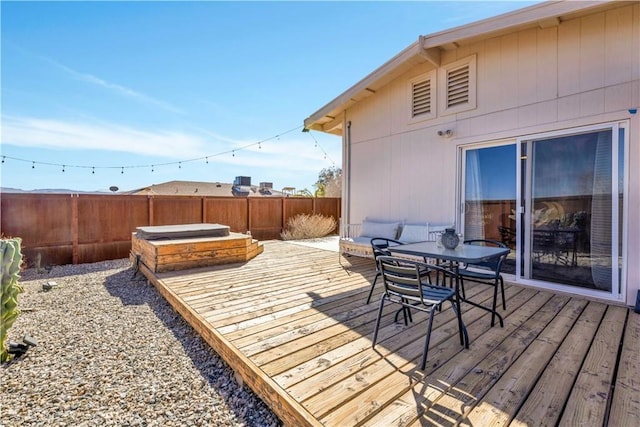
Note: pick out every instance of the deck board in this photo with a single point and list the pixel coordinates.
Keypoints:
(294, 325)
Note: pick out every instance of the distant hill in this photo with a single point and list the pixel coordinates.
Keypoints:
(50, 191)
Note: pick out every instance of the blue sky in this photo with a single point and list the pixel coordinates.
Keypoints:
(130, 94)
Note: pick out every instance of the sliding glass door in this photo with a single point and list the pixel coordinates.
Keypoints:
(557, 200)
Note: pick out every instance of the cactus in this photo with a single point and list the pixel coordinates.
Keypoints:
(11, 262)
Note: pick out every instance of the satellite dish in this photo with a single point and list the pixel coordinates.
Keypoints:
(113, 188)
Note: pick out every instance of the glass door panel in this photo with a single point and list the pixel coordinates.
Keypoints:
(570, 227)
(490, 196)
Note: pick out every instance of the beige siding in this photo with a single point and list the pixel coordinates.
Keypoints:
(583, 71)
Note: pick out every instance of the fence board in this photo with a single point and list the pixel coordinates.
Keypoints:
(168, 210)
(228, 211)
(100, 228)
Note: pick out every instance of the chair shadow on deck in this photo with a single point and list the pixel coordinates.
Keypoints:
(400, 346)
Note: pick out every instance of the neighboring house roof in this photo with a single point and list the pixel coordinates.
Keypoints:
(216, 189)
(427, 49)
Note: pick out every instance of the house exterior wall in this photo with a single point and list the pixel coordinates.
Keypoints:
(584, 71)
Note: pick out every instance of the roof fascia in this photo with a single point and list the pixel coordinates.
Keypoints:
(533, 14)
(361, 89)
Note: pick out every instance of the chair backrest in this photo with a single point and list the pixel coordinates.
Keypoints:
(380, 246)
(408, 279)
(493, 265)
(401, 277)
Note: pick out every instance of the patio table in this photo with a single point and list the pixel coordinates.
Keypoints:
(468, 254)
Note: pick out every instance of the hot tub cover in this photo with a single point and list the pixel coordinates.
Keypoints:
(182, 231)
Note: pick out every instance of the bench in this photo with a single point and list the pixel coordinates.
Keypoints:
(355, 239)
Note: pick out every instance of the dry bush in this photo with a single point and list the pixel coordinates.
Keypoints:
(306, 226)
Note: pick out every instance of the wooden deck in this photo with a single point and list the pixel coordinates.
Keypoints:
(293, 324)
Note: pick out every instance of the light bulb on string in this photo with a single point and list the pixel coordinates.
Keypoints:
(3, 158)
(179, 165)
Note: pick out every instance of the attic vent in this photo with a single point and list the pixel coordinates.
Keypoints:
(458, 86)
(421, 98)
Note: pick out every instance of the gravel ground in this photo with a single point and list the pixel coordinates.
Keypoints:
(112, 351)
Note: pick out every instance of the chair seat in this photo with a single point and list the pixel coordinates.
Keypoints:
(477, 274)
(431, 295)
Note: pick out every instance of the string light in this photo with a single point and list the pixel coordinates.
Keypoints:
(317, 145)
(179, 163)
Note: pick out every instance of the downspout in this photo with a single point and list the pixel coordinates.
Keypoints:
(347, 200)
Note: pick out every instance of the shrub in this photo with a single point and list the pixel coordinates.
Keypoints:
(306, 226)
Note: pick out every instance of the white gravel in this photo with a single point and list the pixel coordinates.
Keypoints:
(112, 351)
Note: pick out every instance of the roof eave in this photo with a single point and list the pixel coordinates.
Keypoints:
(329, 118)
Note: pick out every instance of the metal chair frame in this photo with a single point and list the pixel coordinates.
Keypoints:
(404, 285)
(487, 273)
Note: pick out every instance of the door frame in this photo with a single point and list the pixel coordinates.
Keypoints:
(619, 252)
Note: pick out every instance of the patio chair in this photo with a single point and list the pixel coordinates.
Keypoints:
(486, 273)
(404, 285)
(380, 247)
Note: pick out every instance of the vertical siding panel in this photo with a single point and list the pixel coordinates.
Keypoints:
(509, 81)
(569, 107)
(369, 190)
(547, 112)
(399, 102)
(527, 115)
(618, 44)
(568, 57)
(526, 67)
(592, 52)
(592, 102)
(547, 78)
(490, 74)
(618, 97)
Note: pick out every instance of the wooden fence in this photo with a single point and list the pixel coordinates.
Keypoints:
(82, 228)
